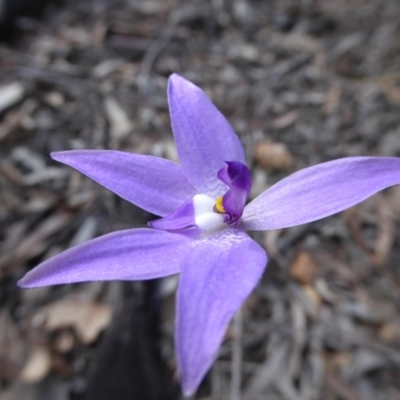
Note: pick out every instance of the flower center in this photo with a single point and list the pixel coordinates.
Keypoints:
(218, 207)
(208, 214)
(238, 178)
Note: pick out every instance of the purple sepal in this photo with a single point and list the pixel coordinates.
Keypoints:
(203, 137)
(182, 218)
(218, 274)
(319, 191)
(133, 254)
(157, 185)
(238, 177)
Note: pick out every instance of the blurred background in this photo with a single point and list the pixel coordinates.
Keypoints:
(302, 82)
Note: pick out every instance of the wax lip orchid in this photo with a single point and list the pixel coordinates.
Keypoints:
(201, 232)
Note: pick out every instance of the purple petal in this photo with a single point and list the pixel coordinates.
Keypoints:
(195, 213)
(319, 191)
(217, 276)
(203, 136)
(154, 184)
(183, 217)
(238, 177)
(134, 254)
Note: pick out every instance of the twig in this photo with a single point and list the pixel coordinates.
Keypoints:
(154, 50)
(237, 356)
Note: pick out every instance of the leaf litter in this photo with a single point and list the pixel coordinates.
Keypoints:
(301, 85)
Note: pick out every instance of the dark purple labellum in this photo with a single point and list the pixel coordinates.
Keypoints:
(238, 177)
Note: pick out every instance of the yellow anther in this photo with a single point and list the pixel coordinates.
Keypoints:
(218, 205)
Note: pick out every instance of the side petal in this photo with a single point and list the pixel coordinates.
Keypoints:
(152, 183)
(203, 136)
(319, 191)
(216, 278)
(134, 254)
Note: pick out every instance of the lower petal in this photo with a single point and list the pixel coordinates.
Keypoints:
(217, 276)
(135, 254)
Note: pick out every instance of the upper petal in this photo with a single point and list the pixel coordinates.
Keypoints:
(217, 276)
(154, 184)
(319, 191)
(203, 136)
(133, 254)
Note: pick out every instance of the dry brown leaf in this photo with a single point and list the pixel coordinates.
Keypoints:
(35, 242)
(332, 100)
(344, 390)
(119, 122)
(65, 342)
(270, 242)
(303, 268)
(38, 202)
(286, 120)
(377, 211)
(10, 122)
(340, 360)
(88, 319)
(386, 232)
(37, 366)
(273, 156)
(312, 295)
(11, 348)
(11, 94)
(392, 93)
(390, 331)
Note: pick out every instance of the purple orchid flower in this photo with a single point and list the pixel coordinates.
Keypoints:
(201, 235)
